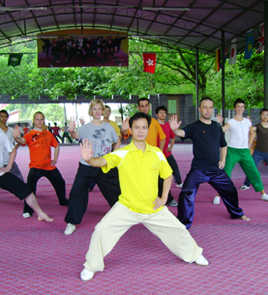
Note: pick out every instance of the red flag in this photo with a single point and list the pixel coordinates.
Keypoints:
(149, 62)
(232, 58)
(260, 38)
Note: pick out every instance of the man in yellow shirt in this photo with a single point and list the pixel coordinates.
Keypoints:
(156, 137)
(139, 166)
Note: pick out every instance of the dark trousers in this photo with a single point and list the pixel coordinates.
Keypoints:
(66, 134)
(78, 200)
(174, 166)
(160, 190)
(57, 136)
(219, 181)
(55, 179)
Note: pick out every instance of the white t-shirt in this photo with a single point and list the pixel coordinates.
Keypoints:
(12, 142)
(239, 131)
(5, 146)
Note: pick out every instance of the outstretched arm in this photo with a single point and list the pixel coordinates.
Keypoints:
(87, 154)
(125, 126)
(11, 160)
(16, 134)
(74, 134)
(174, 125)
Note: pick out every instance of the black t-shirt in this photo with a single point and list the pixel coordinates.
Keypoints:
(207, 140)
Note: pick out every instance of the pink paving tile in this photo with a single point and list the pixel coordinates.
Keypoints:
(37, 258)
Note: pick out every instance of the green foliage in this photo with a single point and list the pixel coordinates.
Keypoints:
(175, 74)
(52, 112)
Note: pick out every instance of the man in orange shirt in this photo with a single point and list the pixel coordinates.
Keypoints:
(155, 130)
(40, 142)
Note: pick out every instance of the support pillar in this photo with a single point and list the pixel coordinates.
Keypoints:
(197, 82)
(223, 73)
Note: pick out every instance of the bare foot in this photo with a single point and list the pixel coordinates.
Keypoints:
(43, 216)
(244, 217)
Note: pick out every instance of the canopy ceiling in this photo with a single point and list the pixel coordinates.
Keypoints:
(184, 23)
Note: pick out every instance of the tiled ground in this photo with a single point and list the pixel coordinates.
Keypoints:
(37, 258)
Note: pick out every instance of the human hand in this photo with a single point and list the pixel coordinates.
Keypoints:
(158, 202)
(219, 118)
(173, 122)
(16, 131)
(125, 124)
(86, 150)
(221, 164)
(72, 124)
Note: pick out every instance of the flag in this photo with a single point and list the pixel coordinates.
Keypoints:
(249, 45)
(14, 59)
(149, 60)
(217, 61)
(232, 58)
(260, 38)
(225, 55)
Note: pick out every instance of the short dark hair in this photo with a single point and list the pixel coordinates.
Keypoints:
(205, 98)
(238, 100)
(142, 99)
(161, 108)
(262, 110)
(5, 112)
(138, 116)
(106, 106)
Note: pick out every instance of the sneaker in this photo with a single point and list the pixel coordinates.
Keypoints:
(86, 275)
(202, 261)
(26, 215)
(173, 203)
(244, 187)
(70, 228)
(217, 200)
(180, 185)
(264, 197)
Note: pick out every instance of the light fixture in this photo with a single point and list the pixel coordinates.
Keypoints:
(21, 8)
(167, 8)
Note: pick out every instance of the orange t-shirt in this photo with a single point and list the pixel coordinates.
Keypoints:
(39, 143)
(155, 133)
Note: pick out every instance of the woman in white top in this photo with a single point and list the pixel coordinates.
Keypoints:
(241, 138)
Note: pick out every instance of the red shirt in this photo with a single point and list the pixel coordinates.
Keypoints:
(169, 135)
(55, 130)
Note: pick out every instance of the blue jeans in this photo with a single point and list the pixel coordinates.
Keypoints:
(257, 157)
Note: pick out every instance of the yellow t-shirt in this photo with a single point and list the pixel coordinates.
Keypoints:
(116, 128)
(138, 175)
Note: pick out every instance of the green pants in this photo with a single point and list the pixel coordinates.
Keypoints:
(244, 158)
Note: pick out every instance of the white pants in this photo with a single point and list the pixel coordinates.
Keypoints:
(119, 219)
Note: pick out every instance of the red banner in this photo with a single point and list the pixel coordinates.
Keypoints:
(149, 60)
